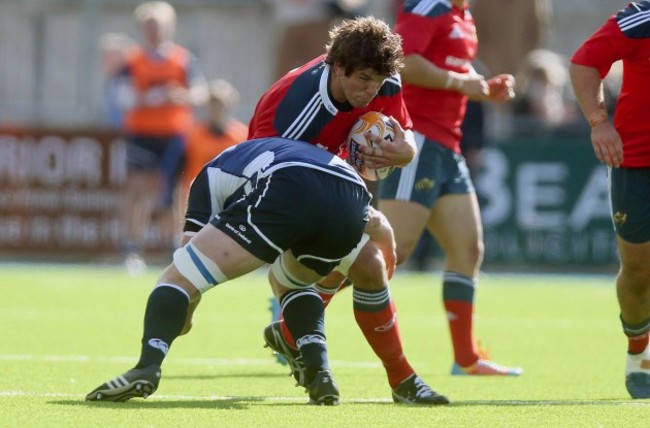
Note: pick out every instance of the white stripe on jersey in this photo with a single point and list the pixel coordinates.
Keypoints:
(634, 20)
(257, 229)
(303, 120)
(395, 79)
(424, 7)
(346, 173)
(407, 175)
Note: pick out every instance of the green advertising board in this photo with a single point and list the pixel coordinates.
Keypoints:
(545, 202)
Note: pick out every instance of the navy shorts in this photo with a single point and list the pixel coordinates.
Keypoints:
(630, 203)
(163, 154)
(436, 171)
(318, 216)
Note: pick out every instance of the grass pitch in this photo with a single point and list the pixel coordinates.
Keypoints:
(65, 329)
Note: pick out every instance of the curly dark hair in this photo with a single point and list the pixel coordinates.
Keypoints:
(365, 42)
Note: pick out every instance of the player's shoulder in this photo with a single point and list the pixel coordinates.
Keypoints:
(634, 20)
(428, 8)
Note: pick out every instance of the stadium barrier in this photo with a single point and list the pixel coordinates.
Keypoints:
(60, 193)
(544, 201)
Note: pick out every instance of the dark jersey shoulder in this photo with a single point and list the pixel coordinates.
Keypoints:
(634, 20)
(428, 8)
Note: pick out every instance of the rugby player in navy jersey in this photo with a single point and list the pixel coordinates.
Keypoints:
(319, 103)
(243, 209)
(624, 146)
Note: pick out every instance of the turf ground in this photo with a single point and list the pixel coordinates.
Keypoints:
(65, 329)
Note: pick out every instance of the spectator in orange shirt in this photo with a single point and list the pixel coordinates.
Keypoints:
(216, 132)
(167, 84)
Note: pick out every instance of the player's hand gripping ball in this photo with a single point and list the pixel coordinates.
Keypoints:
(374, 123)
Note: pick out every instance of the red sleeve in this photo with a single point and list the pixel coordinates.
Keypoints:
(416, 32)
(606, 46)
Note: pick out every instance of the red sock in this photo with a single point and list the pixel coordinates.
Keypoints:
(637, 344)
(459, 317)
(381, 330)
(458, 297)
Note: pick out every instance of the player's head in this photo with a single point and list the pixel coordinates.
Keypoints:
(363, 53)
(365, 43)
(157, 21)
(223, 97)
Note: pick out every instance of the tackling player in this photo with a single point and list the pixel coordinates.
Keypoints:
(253, 187)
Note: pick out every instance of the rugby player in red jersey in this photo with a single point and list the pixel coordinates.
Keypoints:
(624, 146)
(318, 103)
(435, 191)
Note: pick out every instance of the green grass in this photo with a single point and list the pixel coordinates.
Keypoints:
(66, 329)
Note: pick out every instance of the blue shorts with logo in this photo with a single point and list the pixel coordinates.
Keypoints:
(436, 171)
(630, 203)
(318, 216)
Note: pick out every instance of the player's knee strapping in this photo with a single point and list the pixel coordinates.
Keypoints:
(286, 278)
(197, 268)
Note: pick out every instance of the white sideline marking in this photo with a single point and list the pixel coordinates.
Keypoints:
(184, 361)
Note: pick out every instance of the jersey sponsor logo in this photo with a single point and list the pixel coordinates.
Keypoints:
(159, 344)
(239, 233)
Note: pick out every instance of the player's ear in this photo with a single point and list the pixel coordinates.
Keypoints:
(339, 70)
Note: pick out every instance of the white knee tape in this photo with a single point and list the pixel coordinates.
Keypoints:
(197, 268)
(347, 261)
(284, 277)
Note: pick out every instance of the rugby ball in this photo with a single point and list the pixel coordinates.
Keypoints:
(377, 124)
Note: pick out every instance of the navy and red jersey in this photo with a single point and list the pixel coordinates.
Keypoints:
(445, 35)
(626, 36)
(299, 106)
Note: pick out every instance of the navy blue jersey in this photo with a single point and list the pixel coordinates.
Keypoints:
(235, 172)
(299, 106)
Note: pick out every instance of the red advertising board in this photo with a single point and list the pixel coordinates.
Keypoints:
(60, 192)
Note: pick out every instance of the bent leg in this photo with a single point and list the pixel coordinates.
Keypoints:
(376, 314)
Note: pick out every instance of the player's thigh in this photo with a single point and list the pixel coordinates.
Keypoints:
(634, 258)
(232, 259)
(408, 220)
(456, 223)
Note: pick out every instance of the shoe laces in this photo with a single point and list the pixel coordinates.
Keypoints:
(421, 388)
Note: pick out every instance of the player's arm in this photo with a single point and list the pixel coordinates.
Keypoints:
(588, 89)
(421, 72)
(381, 234)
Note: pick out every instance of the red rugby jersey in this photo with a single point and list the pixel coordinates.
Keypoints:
(626, 36)
(446, 36)
(299, 107)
